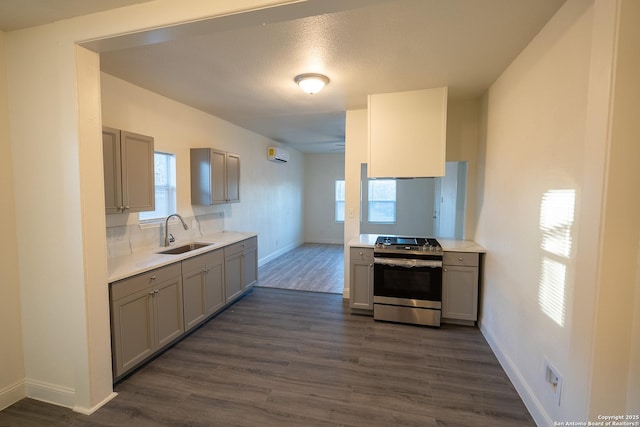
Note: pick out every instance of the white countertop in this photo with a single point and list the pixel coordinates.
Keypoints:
(448, 245)
(129, 265)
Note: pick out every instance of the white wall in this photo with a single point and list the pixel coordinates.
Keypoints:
(546, 130)
(320, 174)
(11, 354)
(271, 193)
(615, 382)
(463, 136)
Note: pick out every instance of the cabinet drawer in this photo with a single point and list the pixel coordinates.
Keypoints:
(251, 243)
(362, 255)
(142, 281)
(242, 246)
(469, 259)
(200, 262)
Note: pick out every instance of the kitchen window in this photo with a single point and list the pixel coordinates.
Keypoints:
(382, 201)
(165, 187)
(339, 214)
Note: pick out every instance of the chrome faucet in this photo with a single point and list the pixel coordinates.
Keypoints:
(166, 229)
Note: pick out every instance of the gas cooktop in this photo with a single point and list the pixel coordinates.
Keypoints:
(408, 245)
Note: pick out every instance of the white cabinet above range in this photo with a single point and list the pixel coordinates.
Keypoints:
(407, 133)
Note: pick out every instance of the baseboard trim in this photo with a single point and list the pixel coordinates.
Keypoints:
(89, 411)
(535, 408)
(326, 241)
(277, 253)
(12, 394)
(50, 393)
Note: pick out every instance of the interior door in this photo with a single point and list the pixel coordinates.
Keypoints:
(446, 195)
(449, 202)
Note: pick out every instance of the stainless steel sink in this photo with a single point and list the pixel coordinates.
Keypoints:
(185, 248)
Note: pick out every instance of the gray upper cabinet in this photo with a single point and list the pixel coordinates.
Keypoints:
(128, 171)
(215, 177)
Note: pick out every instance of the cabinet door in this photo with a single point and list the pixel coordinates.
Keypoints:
(460, 293)
(233, 178)
(138, 186)
(362, 290)
(218, 177)
(361, 287)
(132, 330)
(168, 311)
(215, 289)
(250, 263)
(233, 275)
(193, 292)
(112, 170)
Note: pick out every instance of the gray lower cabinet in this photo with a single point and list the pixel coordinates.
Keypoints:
(146, 315)
(250, 263)
(361, 281)
(152, 310)
(460, 286)
(240, 267)
(202, 287)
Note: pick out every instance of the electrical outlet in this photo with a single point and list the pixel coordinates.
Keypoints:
(553, 379)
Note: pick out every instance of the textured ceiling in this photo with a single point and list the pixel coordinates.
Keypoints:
(245, 74)
(241, 67)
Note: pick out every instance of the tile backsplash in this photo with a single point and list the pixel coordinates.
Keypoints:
(129, 239)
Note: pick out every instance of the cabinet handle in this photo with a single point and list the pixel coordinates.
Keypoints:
(151, 293)
(156, 292)
(361, 254)
(460, 258)
(152, 278)
(127, 207)
(444, 269)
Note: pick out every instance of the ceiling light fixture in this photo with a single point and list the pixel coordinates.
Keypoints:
(311, 82)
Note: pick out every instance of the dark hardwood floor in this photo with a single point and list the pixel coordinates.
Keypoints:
(312, 267)
(291, 358)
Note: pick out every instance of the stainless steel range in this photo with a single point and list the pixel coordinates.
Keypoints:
(407, 280)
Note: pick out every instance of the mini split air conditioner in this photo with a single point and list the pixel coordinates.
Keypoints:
(277, 154)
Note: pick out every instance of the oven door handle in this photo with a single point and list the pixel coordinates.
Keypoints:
(408, 262)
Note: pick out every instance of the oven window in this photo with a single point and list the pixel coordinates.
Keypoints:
(409, 283)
